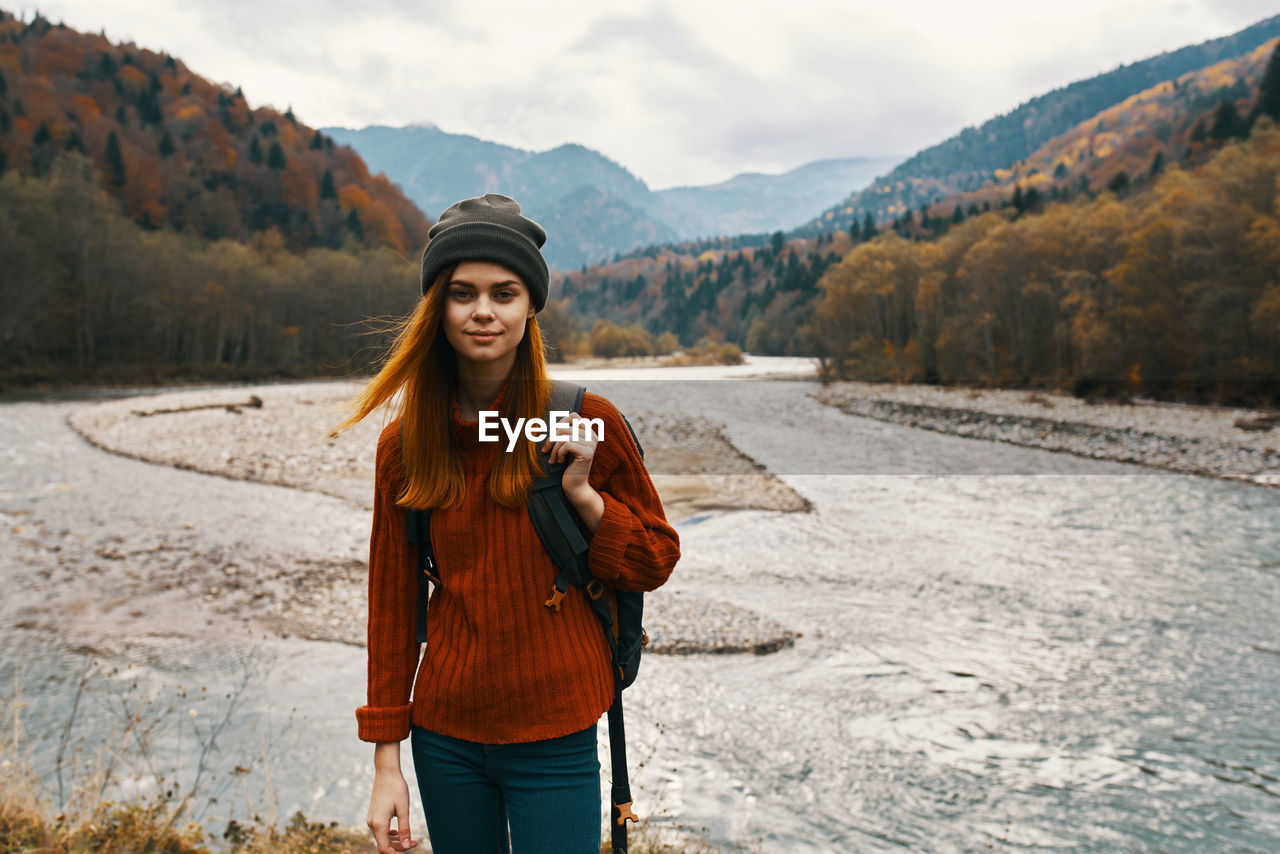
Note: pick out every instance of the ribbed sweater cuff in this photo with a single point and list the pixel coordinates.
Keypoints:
(383, 723)
(609, 541)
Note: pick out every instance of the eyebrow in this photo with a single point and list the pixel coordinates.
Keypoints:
(494, 285)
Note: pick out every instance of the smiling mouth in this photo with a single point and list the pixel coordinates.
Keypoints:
(483, 336)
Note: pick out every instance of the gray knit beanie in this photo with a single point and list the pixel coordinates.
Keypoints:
(488, 228)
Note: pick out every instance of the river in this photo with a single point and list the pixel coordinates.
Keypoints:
(1001, 647)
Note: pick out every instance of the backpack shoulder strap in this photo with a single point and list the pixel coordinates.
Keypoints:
(553, 518)
(418, 528)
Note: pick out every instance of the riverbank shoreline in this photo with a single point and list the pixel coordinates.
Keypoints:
(1210, 441)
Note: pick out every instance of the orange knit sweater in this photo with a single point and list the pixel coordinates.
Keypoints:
(500, 667)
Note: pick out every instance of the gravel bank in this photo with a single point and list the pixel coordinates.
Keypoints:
(276, 434)
(1191, 439)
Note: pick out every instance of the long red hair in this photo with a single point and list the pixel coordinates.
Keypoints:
(422, 364)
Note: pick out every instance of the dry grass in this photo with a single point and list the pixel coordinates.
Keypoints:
(82, 810)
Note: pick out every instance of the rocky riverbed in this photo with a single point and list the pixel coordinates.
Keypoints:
(277, 435)
(1236, 444)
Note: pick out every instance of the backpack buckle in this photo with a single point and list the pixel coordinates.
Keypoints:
(557, 596)
(594, 588)
(625, 814)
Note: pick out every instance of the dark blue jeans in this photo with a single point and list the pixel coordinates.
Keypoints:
(547, 792)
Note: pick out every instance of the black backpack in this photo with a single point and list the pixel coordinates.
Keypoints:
(619, 611)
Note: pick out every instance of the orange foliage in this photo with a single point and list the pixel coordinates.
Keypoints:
(131, 79)
(86, 108)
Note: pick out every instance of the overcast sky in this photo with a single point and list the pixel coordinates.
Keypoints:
(679, 93)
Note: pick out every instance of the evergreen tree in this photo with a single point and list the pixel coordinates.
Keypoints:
(1157, 163)
(42, 135)
(1226, 120)
(777, 241)
(275, 157)
(75, 142)
(1199, 133)
(354, 226)
(255, 150)
(115, 161)
(327, 190)
(317, 141)
(1017, 198)
(957, 215)
(868, 227)
(4, 86)
(1268, 90)
(1119, 183)
(1031, 200)
(166, 144)
(288, 114)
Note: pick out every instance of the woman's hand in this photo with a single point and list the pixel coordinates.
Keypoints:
(577, 489)
(574, 481)
(390, 799)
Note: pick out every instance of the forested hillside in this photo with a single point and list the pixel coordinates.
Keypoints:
(154, 226)
(182, 153)
(1168, 284)
(970, 159)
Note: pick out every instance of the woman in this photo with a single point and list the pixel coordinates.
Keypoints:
(505, 703)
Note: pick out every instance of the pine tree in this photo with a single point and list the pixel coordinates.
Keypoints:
(1226, 120)
(1017, 198)
(1268, 90)
(75, 142)
(868, 227)
(327, 190)
(354, 226)
(275, 157)
(957, 215)
(1199, 133)
(1157, 163)
(317, 141)
(115, 161)
(166, 144)
(1119, 183)
(255, 150)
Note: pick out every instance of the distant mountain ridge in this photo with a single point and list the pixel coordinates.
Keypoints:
(967, 160)
(597, 206)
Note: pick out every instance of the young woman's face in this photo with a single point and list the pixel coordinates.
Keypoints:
(486, 309)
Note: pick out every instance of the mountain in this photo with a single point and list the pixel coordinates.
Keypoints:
(755, 202)
(1135, 139)
(598, 207)
(182, 153)
(1212, 127)
(967, 160)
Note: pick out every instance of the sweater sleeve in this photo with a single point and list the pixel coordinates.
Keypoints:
(392, 643)
(633, 547)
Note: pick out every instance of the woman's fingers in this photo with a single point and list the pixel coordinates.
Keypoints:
(558, 451)
(402, 826)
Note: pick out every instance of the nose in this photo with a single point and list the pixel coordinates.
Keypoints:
(482, 308)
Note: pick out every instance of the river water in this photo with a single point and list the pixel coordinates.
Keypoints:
(1001, 647)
